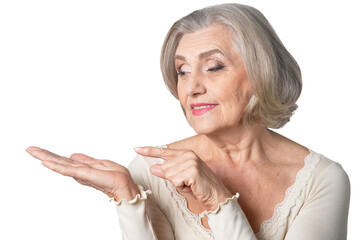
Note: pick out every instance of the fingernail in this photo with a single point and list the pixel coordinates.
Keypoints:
(139, 149)
(33, 153)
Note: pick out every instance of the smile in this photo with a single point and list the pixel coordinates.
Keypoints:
(201, 108)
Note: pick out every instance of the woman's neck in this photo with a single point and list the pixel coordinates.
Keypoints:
(238, 145)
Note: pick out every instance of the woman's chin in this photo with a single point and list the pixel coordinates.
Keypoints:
(203, 128)
(205, 125)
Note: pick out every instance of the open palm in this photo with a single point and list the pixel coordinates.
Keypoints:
(109, 177)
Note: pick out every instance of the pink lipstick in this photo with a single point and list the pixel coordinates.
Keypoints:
(201, 108)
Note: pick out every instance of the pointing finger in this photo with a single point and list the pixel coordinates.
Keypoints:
(155, 152)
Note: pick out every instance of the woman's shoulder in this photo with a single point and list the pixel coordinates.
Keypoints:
(139, 169)
(325, 165)
(328, 173)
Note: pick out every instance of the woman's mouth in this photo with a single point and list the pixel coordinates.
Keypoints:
(201, 108)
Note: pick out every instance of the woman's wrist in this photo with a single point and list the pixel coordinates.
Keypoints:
(220, 198)
(128, 193)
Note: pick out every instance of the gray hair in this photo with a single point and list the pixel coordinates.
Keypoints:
(274, 75)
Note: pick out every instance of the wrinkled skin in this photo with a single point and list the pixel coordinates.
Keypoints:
(183, 168)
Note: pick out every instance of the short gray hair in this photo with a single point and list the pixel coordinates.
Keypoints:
(274, 75)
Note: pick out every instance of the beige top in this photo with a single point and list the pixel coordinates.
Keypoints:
(315, 208)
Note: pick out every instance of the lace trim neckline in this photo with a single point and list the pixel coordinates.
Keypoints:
(268, 227)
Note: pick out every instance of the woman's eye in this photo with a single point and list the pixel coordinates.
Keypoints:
(216, 68)
(181, 73)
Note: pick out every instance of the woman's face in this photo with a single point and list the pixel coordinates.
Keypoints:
(213, 87)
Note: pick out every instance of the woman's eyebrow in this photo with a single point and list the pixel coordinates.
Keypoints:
(209, 53)
(203, 54)
(180, 57)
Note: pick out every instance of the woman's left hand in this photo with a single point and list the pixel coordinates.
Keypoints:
(188, 173)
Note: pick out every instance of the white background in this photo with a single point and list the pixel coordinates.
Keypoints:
(84, 76)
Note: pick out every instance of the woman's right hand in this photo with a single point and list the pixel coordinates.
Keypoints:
(109, 177)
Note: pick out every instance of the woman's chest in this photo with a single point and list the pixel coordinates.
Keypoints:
(259, 194)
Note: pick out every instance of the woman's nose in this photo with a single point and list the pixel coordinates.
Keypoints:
(195, 85)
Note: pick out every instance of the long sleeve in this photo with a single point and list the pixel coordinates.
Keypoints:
(141, 218)
(315, 208)
(324, 216)
(133, 218)
(229, 222)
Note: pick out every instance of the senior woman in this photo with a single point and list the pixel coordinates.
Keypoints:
(235, 179)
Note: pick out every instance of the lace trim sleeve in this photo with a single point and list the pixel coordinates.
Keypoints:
(236, 196)
(140, 196)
